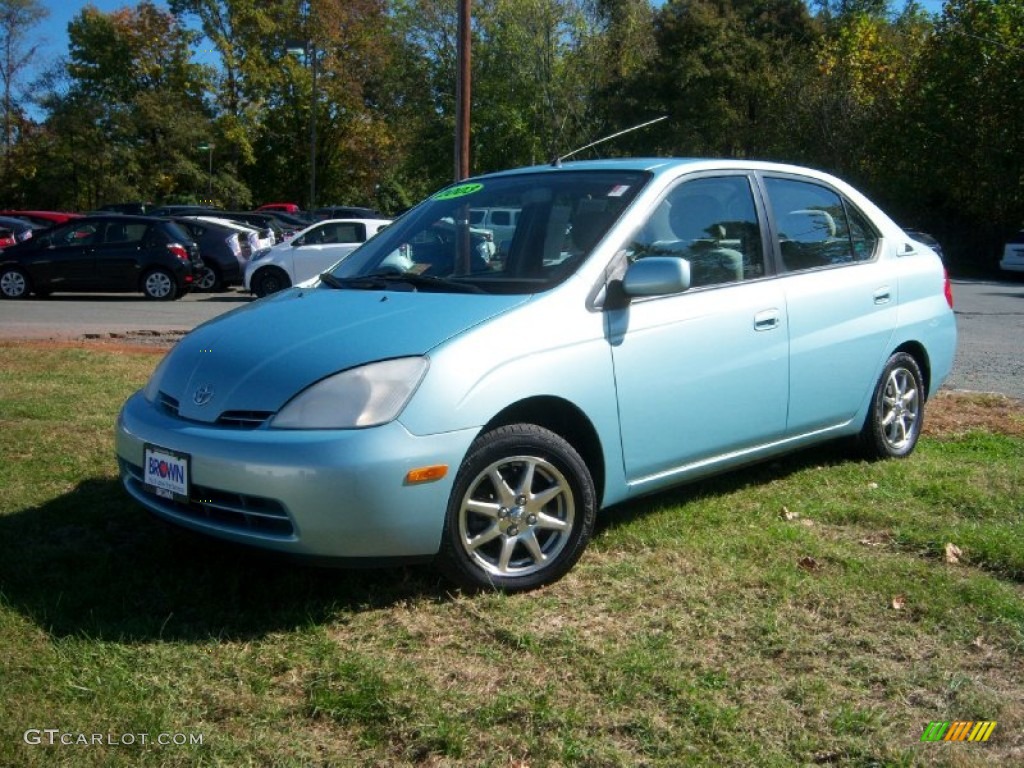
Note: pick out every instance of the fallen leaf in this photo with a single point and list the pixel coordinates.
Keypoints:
(787, 515)
(873, 486)
(808, 563)
(899, 602)
(979, 643)
(953, 553)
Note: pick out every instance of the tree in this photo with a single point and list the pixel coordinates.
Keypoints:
(17, 17)
(968, 108)
(724, 74)
(132, 68)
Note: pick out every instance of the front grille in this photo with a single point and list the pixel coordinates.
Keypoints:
(241, 512)
(248, 419)
(243, 419)
(168, 403)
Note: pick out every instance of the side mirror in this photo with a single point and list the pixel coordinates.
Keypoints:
(656, 276)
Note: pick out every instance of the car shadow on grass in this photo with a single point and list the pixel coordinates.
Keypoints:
(93, 563)
(838, 452)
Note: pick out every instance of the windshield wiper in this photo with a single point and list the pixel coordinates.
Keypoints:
(369, 283)
(378, 281)
(426, 281)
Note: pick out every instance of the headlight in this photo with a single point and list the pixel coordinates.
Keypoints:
(361, 397)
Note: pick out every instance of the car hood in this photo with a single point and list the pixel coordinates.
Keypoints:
(252, 361)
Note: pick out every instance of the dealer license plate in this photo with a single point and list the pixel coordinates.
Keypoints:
(166, 472)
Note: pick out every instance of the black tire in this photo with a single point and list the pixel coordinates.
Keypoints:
(209, 280)
(270, 280)
(159, 285)
(531, 530)
(894, 421)
(14, 283)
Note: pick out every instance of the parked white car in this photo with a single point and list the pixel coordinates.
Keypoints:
(1013, 254)
(500, 221)
(309, 253)
(257, 241)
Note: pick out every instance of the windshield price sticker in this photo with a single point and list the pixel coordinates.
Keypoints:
(460, 191)
(166, 472)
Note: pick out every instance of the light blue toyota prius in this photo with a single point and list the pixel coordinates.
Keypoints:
(446, 394)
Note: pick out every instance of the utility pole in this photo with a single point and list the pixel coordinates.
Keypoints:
(463, 94)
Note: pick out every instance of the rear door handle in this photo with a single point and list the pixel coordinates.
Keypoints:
(767, 320)
(883, 295)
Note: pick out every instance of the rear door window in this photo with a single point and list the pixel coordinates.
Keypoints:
(816, 227)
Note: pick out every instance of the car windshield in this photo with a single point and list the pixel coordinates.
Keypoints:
(560, 217)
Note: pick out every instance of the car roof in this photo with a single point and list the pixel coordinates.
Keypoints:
(656, 165)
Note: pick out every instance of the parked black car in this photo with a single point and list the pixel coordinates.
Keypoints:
(103, 253)
(136, 208)
(345, 212)
(182, 209)
(222, 251)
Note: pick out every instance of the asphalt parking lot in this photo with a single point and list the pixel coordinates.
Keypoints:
(990, 320)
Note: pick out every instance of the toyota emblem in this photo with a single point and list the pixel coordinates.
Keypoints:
(203, 394)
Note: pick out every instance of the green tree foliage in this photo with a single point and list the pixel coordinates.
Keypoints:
(921, 111)
(131, 70)
(968, 110)
(17, 19)
(722, 73)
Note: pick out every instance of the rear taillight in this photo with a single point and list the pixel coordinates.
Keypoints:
(947, 288)
(179, 251)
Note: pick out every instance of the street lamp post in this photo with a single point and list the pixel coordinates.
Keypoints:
(208, 148)
(307, 48)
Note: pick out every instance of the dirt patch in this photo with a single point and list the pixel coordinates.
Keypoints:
(152, 342)
(955, 413)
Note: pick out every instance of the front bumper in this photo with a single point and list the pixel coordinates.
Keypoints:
(330, 494)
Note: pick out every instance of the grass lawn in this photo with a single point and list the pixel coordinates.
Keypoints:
(816, 610)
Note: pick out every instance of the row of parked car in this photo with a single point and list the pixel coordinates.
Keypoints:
(174, 250)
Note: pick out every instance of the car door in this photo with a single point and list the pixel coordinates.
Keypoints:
(324, 245)
(118, 255)
(704, 373)
(841, 298)
(64, 259)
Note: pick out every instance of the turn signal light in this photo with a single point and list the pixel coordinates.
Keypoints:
(426, 474)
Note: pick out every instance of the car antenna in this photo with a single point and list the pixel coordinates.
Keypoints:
(557, 162)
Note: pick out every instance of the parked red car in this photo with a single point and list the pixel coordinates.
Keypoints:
(283, 207)
(43, 218)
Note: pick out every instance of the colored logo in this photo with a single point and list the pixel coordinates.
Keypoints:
(959, 730)
(460, 191)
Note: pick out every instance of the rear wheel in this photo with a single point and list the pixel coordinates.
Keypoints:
(521, 511)
(209, 280)
(159, 285)
(270, 280)
(897, 409)
(14, 283)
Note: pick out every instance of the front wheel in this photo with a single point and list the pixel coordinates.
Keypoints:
(269, 280)
(159, 285)
(521, 512)
(897, 410)
(14, 284)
